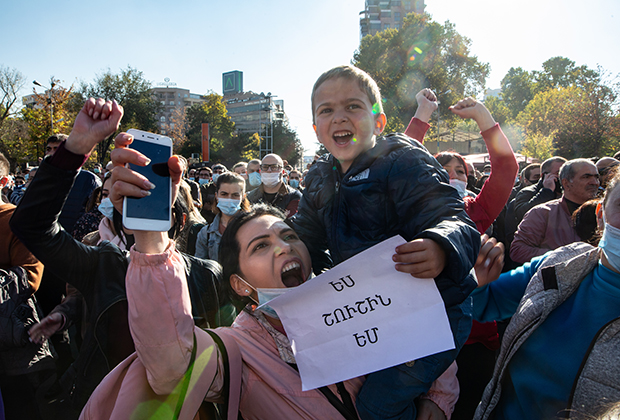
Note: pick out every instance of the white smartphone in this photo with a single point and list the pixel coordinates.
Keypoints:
(153, 212)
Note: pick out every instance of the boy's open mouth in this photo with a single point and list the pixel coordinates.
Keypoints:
(343, 137)
(292, 275)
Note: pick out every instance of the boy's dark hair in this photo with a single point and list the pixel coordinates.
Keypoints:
(5, 167)
(230, 248)
(56, 138)
(365, 82)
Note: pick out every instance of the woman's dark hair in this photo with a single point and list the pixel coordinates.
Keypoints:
(230, 178)
(445, 157)
(585, 222)
(179, 208)
(96, 196)
(230, 248)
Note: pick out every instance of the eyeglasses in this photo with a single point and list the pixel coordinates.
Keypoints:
(271, 168)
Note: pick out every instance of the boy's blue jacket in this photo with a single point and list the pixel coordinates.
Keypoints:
(397, 187)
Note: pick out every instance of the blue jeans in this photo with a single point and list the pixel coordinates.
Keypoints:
(390, 393)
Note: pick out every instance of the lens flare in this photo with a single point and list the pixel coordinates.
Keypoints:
(354, 139)
(277, 250)
(416, 49)
(376, 109)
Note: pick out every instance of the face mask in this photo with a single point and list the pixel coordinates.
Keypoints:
(203, 181)
(254, 179)
(610, 244)
(460, 186)
(96, 170)
(106, 208)
(270, 179)
(294, 183)
(215, 177)
(267, 295)
(228, 206)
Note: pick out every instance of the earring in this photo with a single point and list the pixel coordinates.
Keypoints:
(247, 291)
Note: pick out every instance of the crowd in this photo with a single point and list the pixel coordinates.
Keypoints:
(99, 321)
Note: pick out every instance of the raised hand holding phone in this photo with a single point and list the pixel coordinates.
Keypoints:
(149, 209)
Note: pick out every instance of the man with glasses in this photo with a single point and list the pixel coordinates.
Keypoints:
(272, 189)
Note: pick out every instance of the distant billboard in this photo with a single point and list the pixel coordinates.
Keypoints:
(232, 82)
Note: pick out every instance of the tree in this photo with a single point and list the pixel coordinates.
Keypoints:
(11, 82)
(286, 143)
(421, 54)
(538, 146)
(498, 109)
(132, 91)
(583, 120)
(561, 72)
(517, 90)
(39, 117)
(226, 146)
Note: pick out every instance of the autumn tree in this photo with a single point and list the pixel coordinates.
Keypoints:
(226, 146)
(583, 120)
(286, 143)
(132, 91)
(55, 103)
(423, 53)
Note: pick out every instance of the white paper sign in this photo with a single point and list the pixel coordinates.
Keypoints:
(362, 316)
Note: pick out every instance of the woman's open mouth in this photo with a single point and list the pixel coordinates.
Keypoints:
(292, 274)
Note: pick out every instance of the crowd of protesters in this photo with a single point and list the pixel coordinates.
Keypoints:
(99, 321)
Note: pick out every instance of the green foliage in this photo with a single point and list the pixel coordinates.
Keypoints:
(132, 91)
(498, 109)
(286, 143)
(226, 146)
(423, 53)
(582, 119)
(538, 146)
(517, 90)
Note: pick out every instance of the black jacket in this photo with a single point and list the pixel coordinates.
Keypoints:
(395, 188)
(98, 272)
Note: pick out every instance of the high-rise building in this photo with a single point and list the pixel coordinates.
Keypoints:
(173, 99)
(379, 15)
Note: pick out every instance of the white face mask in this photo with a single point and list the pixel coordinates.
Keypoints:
(270, 179)
(264, 297)
(610, 244)
(107, 208)
(460, 186)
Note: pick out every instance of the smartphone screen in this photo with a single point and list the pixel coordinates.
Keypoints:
(157, 205)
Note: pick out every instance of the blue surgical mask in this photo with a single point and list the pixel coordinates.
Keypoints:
(294, 183)
(460, 186)
(254, 179)
(267, 295)
(203, 181)
(215, 177)
(107, 208)
(228, 206)
(610, 244)
(26, 177)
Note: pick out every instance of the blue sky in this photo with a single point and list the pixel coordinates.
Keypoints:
(281, 46)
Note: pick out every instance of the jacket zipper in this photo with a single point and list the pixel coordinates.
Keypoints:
(335, 220)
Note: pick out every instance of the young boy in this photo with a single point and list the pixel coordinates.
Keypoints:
(368, 189)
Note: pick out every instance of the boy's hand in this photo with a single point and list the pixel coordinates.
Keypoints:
(427, 104)
(422, 258)
(96, 120)
(490, 260)
(470, 108)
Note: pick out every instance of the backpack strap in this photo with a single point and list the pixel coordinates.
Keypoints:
(231, 359)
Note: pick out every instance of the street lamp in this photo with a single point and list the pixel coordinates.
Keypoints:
(50, 101)
(439, 112)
